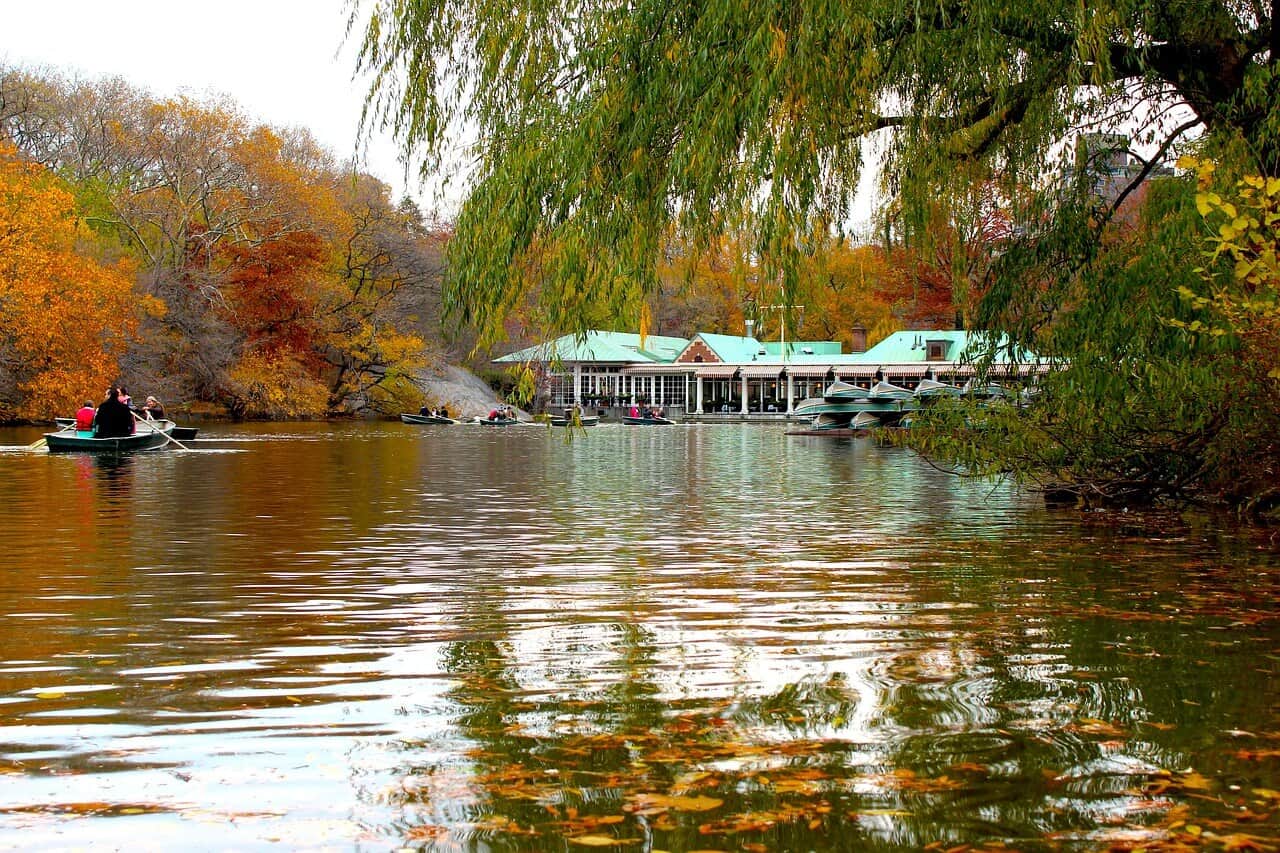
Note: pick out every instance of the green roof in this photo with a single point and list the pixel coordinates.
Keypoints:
(795, 348)
(620, 347)
(907, 347)
(732, 349)
(625, 348)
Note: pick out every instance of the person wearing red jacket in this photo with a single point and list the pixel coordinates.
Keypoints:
(84, 417)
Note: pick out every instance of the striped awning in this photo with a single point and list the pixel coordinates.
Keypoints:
(819, 371)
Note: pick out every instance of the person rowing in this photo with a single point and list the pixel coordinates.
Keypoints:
(152, 410)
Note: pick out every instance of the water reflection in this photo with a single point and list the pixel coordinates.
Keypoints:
(652, 639)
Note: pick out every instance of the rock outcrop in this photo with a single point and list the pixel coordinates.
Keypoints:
(462, 391)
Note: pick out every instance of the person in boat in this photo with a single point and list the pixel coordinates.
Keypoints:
(424, 411)
(444, 411)
(633, 412)
(494, 414)
(125, 398)
(113, 418)
(84, 417)
(152, 410)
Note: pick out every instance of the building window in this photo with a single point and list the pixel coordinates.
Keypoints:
(937, 350)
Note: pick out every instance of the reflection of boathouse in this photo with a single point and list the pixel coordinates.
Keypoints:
(719, 377)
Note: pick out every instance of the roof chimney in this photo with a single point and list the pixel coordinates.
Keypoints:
(859, 339)
(751, 327)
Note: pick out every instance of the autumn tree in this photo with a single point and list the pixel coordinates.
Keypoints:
(291, 284)
(65, 315)
(845, 286)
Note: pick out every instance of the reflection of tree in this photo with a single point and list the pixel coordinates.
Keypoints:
(986, 711)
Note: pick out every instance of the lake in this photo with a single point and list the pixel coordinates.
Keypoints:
(375, 636)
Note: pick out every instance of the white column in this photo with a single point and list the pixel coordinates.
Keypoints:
(699, 381)
(744, 394)
(790, 392)
(577, 382)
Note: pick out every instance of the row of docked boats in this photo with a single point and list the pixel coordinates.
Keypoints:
(566, 419)
(844, 406)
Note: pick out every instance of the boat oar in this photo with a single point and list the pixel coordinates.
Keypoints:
(44, 442)
(150, 426)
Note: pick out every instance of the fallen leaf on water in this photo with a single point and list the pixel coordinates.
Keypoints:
(51, 694)
(602, 841)
(682, 804)
(1240, 842)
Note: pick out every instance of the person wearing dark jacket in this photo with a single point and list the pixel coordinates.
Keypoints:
(114, 420)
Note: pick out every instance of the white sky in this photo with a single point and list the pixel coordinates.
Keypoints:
(282, 61)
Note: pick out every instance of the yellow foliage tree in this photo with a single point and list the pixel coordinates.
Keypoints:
(64, 317)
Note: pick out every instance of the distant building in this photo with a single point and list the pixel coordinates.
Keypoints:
(1107, 159)
(714, 376)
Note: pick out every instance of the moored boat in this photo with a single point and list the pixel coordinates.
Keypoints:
(864, 420)
(151, 435)
(500, 421)
(818, 406)
(883, 392)
(840, 390)
(933, 389)
(830, 421)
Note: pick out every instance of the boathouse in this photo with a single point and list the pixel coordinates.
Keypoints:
(729, 377)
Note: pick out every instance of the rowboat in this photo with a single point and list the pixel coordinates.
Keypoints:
(584, 420)
(886, 392)
(881, 392)
(933, 389)
(649, 421)
(818, 406)
(178, 432)
(423, 420)
(151, 435)
(497, 421)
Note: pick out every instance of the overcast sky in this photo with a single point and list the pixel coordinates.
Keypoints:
(282, 61)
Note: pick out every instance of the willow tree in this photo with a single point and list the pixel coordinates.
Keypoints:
(599, 127)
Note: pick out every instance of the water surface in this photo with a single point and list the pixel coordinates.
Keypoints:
(372, 636)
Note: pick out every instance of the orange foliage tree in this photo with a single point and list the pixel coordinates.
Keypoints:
(284, 275)
(843, 287)
(64, 316)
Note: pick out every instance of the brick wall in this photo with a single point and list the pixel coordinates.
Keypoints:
(695, 349)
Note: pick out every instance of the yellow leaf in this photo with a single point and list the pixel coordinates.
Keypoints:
(681, 804)
(602, 841)
(51, 694)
